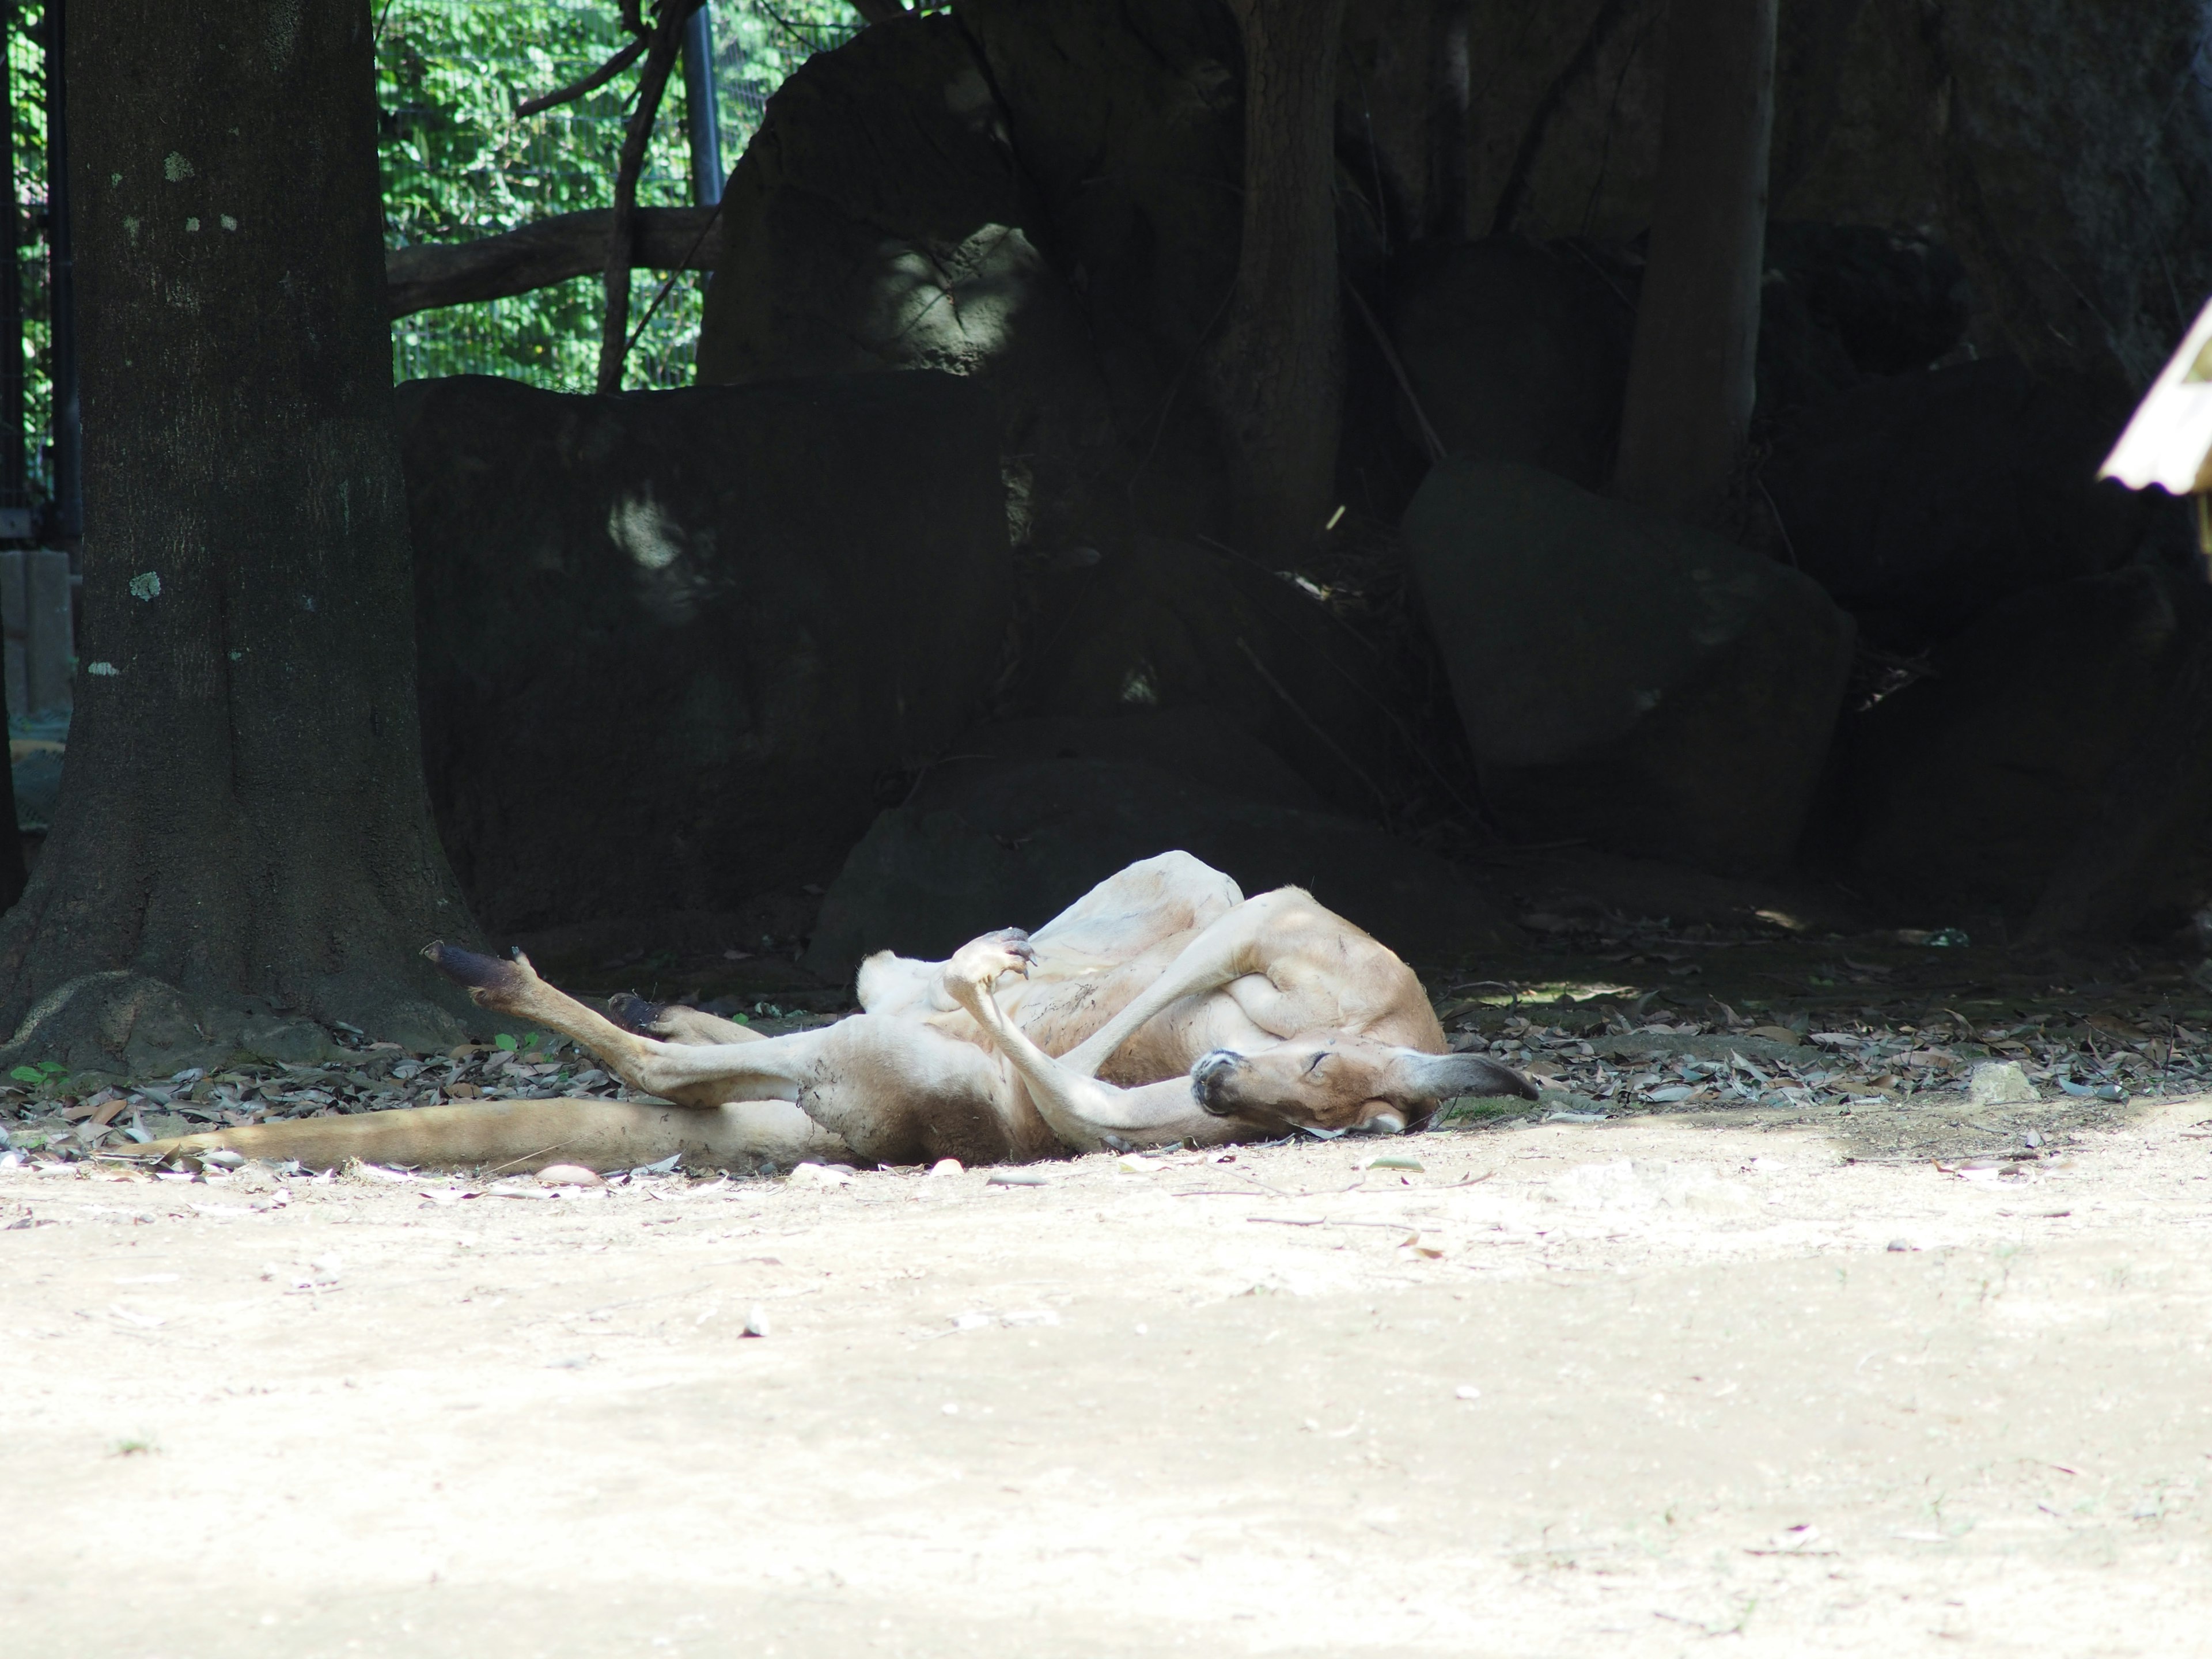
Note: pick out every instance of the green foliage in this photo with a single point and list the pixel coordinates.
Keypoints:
(456, 163)
(27, 81)
(506, 1040)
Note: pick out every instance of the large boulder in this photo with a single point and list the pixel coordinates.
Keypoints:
(1025, 820)
(1046, 195)
(1920, 500)
(1623, 678)
(880, 220)
(671, 642)
(1895, 300)
(2062, 149)
(2057, 764)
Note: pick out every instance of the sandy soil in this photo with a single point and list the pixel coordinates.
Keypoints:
(1619, 1387)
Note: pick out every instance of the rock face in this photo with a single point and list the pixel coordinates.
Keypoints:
(1895, 300)
(2056, 760)
(1623, 678)
(1518, 351)
(1057, 806)
(1044, 196)
(669, 642)
(2063, 149)
(1919, 502)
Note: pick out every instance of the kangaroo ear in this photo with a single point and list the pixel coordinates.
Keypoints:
(1441, 1076)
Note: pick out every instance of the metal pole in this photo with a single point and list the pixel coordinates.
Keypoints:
(702, 112)
(65, 520)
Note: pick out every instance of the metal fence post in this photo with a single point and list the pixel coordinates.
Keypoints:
(703, 113)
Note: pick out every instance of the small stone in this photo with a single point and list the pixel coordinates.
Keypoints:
(1466, 1391)
(756, 1322)
(820, 1174)
(568, 1175)
(1999, 1083)
(1899, 1245)
(946, 1166)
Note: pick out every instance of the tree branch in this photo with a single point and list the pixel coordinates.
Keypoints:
(879, 11)
(543, 252)
(592, 82)
(652, 82)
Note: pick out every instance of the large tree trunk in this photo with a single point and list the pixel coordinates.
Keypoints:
(1690, 373)
(243, 817)
(1278, 375)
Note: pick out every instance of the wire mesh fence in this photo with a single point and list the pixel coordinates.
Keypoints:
(26, 384)
(458, 162)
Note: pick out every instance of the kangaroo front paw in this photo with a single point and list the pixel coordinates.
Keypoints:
(986, 961)
(635, 1013)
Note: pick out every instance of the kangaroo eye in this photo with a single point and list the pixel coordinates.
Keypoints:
(1314, 1065)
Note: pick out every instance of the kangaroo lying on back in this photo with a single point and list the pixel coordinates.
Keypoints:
(1162, 1006)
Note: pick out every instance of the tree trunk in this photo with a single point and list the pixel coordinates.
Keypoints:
(1691, 373)
(1278, 375)
(242, 817)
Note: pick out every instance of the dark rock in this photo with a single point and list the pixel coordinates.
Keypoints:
(670, 641)
(1194, 745)
(1622, 677)
(1920, 502)
(2060, 740)
(1517, 352)
(2061, 149)
(879, 220)
(991, 844)
(1171, 625)
(1800, 359)
(1127, 117)
(1046, 195)
(1895, 300)
(2075, 155)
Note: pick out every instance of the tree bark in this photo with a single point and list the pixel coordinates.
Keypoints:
(243, 819)
(1277, 377)
(543, 252)
(1687, 409)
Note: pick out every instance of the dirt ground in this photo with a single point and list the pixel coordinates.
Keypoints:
(1617, 1388)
